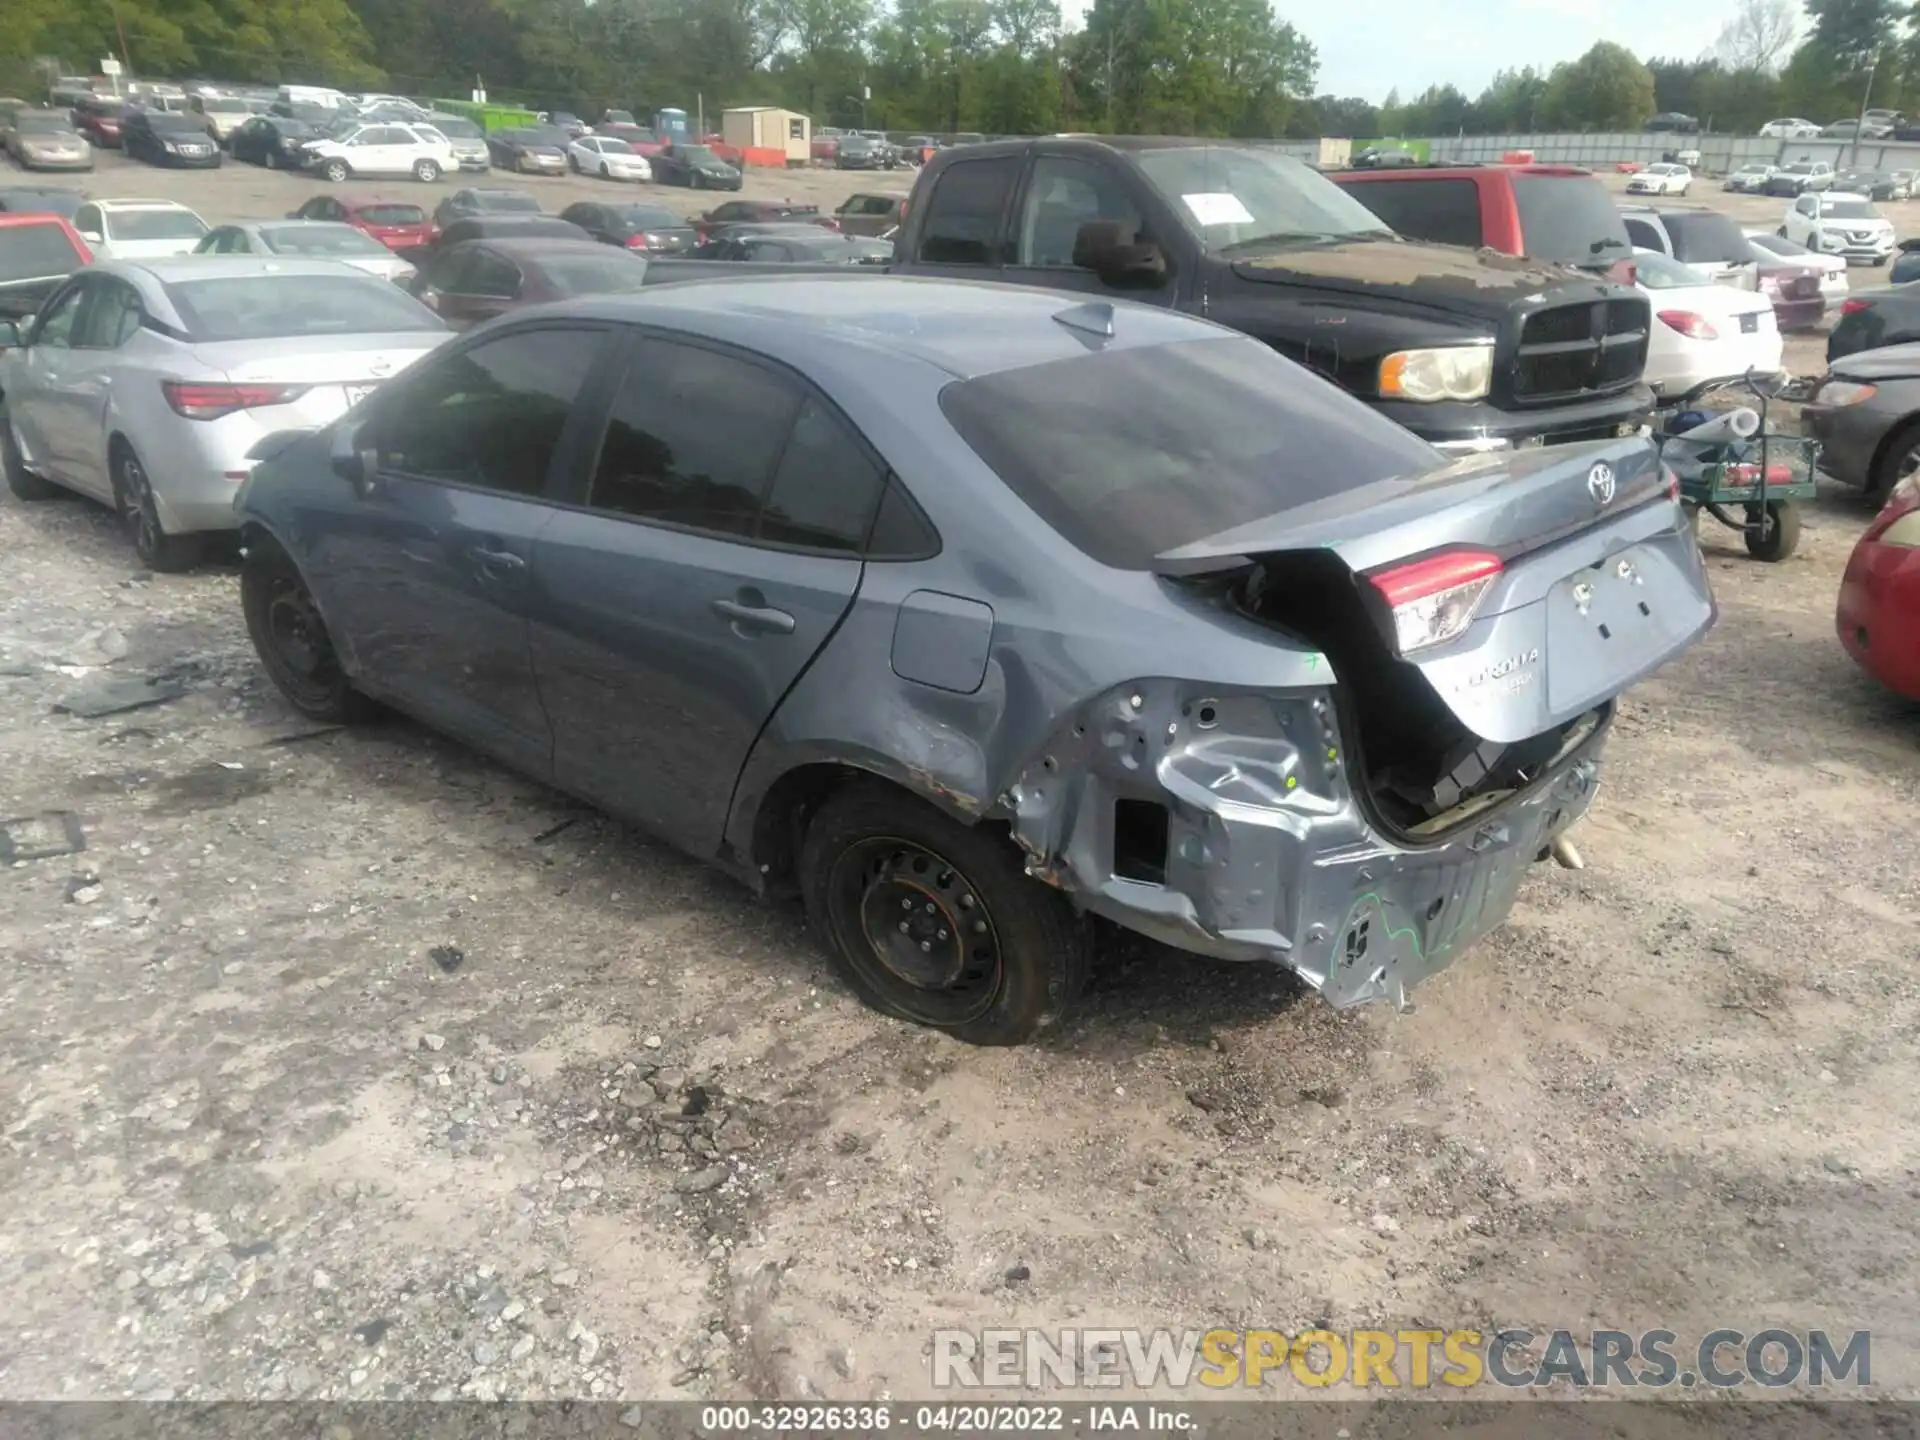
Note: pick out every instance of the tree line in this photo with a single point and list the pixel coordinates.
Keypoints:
(1212, 67)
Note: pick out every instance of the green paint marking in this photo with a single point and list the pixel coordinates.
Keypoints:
(1291, 782)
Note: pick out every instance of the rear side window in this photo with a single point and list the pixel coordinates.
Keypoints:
(963, 217)
(1446, 212)
(1133, 452)
(825, 488)
(1645, 234)
(1705, 235)
(692, 439)
(34, 252)
(1569, 220)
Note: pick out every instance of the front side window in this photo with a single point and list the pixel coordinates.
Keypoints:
(1063, 195)
(491, 416)
(692, 439)
(109, 319)
(55, 326)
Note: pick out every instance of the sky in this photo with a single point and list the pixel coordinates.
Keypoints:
(1411, 44)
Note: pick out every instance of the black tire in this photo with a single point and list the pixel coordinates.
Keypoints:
(292, 641)
(605, 172)
(1782, 535)
(1011, 968)
(24, 484)
(133, 492)
(696, 180)
(1899, 457)
(1781, 232)
(337, 171)
(426, 171)
(573, 162)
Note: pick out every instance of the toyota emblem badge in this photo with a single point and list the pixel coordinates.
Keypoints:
(1600, 484)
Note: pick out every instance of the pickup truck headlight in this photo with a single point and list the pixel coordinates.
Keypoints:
(1453, 372)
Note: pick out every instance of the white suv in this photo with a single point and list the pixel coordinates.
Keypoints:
(1836, 223)
(382, 148)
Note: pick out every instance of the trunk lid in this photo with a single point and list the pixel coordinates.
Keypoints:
(332, 372)
(1600, 581)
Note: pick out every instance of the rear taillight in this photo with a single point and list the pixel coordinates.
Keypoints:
(1854, 307)
(1694, 327)
(1673, 481)
(195, 401)
(1433, 600)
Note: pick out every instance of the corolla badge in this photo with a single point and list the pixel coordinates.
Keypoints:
(1600, 483)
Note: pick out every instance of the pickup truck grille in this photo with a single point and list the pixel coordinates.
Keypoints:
(1592, 348)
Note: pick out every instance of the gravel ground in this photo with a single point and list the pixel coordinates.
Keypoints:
(346, 1064)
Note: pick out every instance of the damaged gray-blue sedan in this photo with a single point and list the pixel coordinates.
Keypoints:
(969, 613)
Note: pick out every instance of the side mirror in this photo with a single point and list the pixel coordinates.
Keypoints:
(358, 467)
(1113, 250)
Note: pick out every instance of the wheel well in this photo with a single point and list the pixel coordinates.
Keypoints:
(117, 446)
(780, 824)
(1901, 432)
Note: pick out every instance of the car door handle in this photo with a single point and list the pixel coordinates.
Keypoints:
(497, 563)
(755, 617)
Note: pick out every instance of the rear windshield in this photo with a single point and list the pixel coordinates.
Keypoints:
(594, 274)
(653, 217)
(1655, 271)
(1779, 245)
(1849, 210)
(506, 202)
(43, 125)
(1133, 452)
(1703, 235)
(33, 252)
(321, 240)
(261, 307)
(1569, 220)
(392, 214)
(48, 202)
(155, 225)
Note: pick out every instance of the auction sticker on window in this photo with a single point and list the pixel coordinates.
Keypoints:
(1218, 207)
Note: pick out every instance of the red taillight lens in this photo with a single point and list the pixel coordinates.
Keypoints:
(1673, 482)
(1433, 600)
(1854, 307)
(209, 402)
(1694, 327)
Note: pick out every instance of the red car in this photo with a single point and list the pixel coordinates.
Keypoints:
(394, 223)
(1879, 612)
(99, 121)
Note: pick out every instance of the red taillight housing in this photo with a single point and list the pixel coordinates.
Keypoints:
(1694, 327)
(194, 401)
(639, 241)
(1673, 481)
(1854, 307)
(1434, 600)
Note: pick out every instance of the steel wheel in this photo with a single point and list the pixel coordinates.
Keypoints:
(916, 930)
(291, 638)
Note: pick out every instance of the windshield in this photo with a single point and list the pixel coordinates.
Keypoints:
(1654, 271)
(652, 217)
(456, 129)
(154, 225)
(1241, 199)
(595, 274)
(1567, 220)
(1848, 210)
(1129, 453)
(391, 215)
(174, 124)
(505, 202)
(33, 252)
(321, 240)
(262, 307)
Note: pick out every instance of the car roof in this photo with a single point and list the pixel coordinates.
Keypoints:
(216, 267)
(528, 247)
(962, 327)
(11, 219)
(111, 205)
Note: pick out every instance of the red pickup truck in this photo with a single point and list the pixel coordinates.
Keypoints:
(1544, 212)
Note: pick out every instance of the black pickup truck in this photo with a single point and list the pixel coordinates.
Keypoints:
(1471, 350)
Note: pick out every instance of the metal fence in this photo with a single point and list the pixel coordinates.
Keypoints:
(1718, 153)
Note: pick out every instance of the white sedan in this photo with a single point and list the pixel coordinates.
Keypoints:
(1660, 180)
(608, 158)
(1791, 128)
(1701, 332)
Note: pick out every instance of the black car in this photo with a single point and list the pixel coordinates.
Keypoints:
(863, 152)
(1875, 320)
(530, 150)
(1874, 184)
(800, 244)
(1798, 178)
(275, 141)
(483, 201)
(161, 138)
(694, 166)
(509, 227)
(653, 228)
(1673, 122)
(24, 200)
(567, 121)
(760, 212)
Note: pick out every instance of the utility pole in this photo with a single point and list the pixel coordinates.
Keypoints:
(120, 26)
(1865, 96)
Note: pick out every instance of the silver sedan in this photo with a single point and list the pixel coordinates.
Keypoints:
(306, 239)
(144, 384)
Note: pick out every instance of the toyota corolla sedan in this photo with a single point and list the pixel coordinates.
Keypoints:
(143, 385)
(968, 613)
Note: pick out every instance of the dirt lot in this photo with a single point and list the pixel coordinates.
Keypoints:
(346, 1064)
